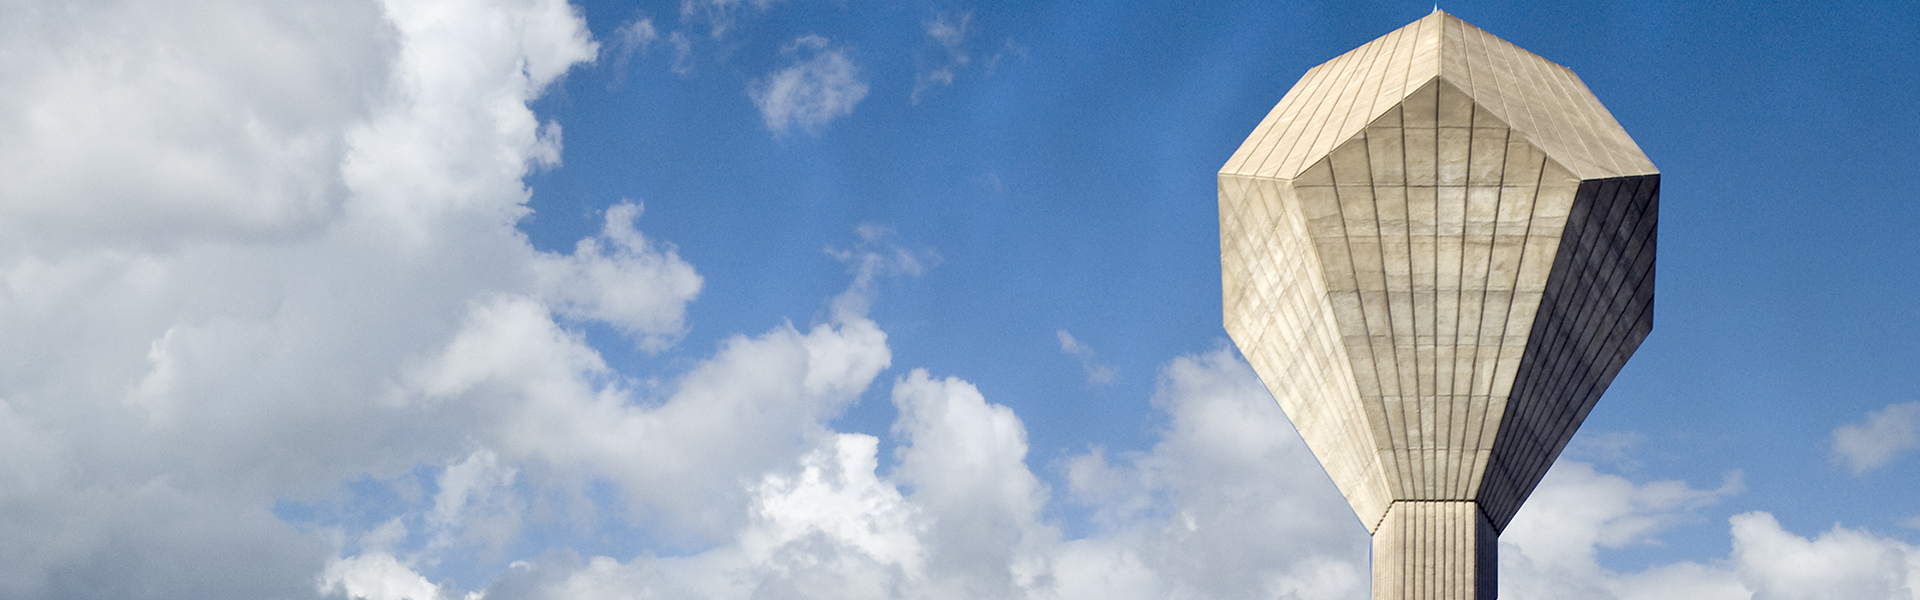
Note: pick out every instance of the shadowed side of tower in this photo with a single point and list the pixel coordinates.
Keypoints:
(1437, 251)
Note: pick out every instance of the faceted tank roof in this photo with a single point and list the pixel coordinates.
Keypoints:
(1540, 100)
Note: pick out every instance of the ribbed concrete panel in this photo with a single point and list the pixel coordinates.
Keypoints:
(1275, 302)
(1422, 224)
(1598, 307)
(1437, 252)
(1435, 550)
(1334, 100)
(1544, 101)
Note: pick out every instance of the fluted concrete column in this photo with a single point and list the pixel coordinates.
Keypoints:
(1435, 550)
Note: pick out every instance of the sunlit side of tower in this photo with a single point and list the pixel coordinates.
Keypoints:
(1437, 251)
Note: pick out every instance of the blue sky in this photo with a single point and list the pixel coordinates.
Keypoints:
(725, 298)
(1784, 286)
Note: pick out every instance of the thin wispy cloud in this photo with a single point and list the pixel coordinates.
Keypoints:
(1097, 373)
(1882, 437)
(633, 38)
(821, 85)
(947, 32)
(991, 181)
(1615, 449)
(949, 53)
(719, 15)
(682, 53)
(877, 253)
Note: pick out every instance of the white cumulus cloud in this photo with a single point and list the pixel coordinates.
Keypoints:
(1885, 434)
(1840, 563)
(1577, 511)
(1214, 510)
(204, 142)
(541, 395)
(826, 525)
(821, 85)
(621, 278)
(1551, 549)
(218, 265)
(376, 576)
(1228, 503)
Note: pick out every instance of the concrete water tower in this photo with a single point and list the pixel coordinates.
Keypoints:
(1437, 251)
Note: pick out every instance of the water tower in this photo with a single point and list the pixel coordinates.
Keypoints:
(1437, 251)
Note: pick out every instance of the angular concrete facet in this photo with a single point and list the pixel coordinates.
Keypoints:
(1437, 251)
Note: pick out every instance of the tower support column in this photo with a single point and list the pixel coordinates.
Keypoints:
(1435, 550)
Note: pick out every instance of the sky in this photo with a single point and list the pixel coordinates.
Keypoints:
(784, 299)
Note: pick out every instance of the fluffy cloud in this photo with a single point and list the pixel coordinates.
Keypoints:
(539, 394)
(821, 85)
(1229, 503)
(1577, 511)
(1214, 510)
(1552, 547)
(620, 278)
(203, 142)
(217, 266)
(1550, 550)
(1840, 563)
(376, 576)
(966, 464)
(827, 526)
(1885, 434)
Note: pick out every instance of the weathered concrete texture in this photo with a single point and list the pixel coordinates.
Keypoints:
(1333, 101)
(1435, 550)
(1596, 309)
(1437, 251)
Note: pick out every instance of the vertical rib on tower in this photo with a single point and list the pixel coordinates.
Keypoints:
(1437, 251)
